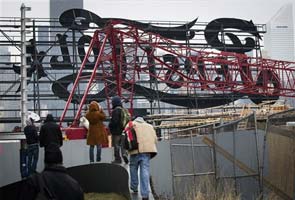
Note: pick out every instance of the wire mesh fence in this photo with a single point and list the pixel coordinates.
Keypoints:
(215, 159)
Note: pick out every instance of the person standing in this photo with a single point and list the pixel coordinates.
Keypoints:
(140, 158)
(97, 135)
(116, 127)
(32, 141)
(54, 180)
(50, 133)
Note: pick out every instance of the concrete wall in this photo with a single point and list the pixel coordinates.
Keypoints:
(75, 153)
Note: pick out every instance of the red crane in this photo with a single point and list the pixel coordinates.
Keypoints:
(126, 53)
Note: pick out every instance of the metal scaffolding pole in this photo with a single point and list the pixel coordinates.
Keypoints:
(24, 110)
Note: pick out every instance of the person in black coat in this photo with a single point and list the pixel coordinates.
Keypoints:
(32, 140)
(50, 132)
(116, 128)
(54, 179)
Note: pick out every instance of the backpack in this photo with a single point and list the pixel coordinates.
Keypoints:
(129, 137)
(125, 117)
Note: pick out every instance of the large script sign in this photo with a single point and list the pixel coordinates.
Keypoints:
(80, 20)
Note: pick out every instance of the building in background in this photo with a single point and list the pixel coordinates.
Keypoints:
(59, 6)
(2, 103)
(7, 76)
(56, 8)
(279, 39)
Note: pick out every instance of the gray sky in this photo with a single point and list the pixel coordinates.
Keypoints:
(260, 11)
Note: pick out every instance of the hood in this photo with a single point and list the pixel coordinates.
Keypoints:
(116, 101)
(139, 119)
(94, 106)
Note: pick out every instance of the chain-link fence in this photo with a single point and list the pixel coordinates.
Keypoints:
(207, 159)
(237, 158)
(191, 161)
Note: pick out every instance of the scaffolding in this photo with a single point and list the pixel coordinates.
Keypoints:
(55, 52)
(119, 65)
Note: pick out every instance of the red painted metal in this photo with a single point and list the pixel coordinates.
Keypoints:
(93, 41)
(133, 54)
(96, 41)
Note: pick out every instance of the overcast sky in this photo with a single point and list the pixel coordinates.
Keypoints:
(260, 11)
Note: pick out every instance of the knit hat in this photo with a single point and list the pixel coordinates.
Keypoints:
(49, 118)
(53, 154)
(116, 101)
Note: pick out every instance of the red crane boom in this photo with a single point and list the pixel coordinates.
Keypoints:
(128, 54)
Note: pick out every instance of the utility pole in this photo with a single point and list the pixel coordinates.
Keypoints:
(24, 109)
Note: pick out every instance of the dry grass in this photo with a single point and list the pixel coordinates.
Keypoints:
(208, 190)
(217, 196)
(104, 196)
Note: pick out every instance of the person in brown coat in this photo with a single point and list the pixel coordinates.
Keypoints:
(97, 133)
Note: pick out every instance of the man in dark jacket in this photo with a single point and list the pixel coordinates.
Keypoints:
(32, 140)
(116, 128)
(53, 179)
(50, 132)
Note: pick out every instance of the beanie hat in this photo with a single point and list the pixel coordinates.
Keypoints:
(116, 101)
(49, 118)
(53, 154)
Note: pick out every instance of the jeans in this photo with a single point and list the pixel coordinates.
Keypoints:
(23, 153)
(33, 156)
(117, 144)
(141, 160)
(98, 152)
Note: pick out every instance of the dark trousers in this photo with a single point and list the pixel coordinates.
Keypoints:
(98, 152)
(117, 144)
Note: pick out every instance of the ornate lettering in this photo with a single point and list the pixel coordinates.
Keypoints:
(216, 27)
(80, 20)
